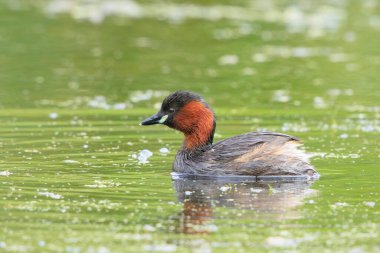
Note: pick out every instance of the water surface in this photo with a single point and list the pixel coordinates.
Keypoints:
(78, 76)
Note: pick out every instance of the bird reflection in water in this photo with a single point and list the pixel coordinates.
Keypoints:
(278, 197)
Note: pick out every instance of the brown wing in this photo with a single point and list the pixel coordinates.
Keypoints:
(256, 153)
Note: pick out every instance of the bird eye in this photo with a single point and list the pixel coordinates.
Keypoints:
(171, 110)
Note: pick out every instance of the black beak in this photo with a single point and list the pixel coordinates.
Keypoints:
(154, 119)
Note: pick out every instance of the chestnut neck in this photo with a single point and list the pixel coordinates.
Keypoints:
(196, 120)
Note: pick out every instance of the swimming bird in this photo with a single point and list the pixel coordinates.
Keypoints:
(249, 154)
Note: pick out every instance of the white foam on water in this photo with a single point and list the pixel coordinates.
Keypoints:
(277, 241)
(103, 184)
(99, 102)
(224, 188)
(320, 21)
(319, 103)
(255, 190)
(302, 52)
(369, 203)
(229, 59)
(338, 57)
(249, 71)
(144, 95)
(50, 195)
(161, 247)
(5, 173)
(70, 161)
(340, 204)
(119, 106)
(275, 51)
(281, 96)
(259, 58)
(164, 150)
(144, 156)
(295, 127)
(53, 115)
(149, 228)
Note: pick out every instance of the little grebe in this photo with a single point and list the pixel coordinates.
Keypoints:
(250, 154)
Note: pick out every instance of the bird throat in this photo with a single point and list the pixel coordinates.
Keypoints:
(197, 123)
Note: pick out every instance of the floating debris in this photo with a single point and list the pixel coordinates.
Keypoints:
(249, 71)
(103, 184)
(101, 103)
(338, 57)
(5, 173)
(339, 92)
(241, 30)
(301, 52)
(50, 195)
(369, 203)
(325, 19)
(144, 156)
(225, 188)
(119, 106)
(321, 21)
(164, 150)
(277, 241)
(97, 102)
(140, 95)
(341, 156)
(149, 228)
(70, 161)
(274, 51)
(281, 96)
(229, 59)
(259, 57)
(300, 127)
(161, 248)
(319, 103)
(340, 204)
(53, 115)
(256, 190)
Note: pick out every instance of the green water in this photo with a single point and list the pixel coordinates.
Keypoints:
(74, 86)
